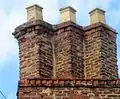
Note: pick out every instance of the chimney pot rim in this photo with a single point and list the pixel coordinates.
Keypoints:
(34, 5)
(68, 7)
(97, 9)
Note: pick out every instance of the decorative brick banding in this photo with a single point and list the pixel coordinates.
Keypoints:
(90, 83)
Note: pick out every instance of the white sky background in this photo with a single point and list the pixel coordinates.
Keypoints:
(13, 13)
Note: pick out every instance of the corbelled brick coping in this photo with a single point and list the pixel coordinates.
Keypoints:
(66, 24)
(58, 26)
(47, 25)
(99, 24)
(33, 23)
(90, 83)
(37, 24)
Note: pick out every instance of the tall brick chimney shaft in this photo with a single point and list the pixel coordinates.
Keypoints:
(97, 15)
(35, 51)
(67, 14)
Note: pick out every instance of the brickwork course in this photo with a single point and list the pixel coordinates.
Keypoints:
(67, 61)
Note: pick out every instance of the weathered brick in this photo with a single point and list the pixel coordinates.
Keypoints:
(56, 60)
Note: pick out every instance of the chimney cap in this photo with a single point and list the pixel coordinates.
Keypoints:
(97, 15)
(67, 14)
(34, 12)
(68, 7)
(34, 5)
(97, 9)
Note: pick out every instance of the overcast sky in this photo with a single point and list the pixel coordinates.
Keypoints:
(13, 13)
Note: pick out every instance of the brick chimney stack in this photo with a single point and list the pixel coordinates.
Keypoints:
(35, 51)
(66, 58)
(69, 46)
(97, 15)
(34, 12)
(66, 48)
(67, 14)
(100, 60)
